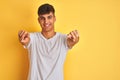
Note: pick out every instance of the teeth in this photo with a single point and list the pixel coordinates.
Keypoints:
(47, 25)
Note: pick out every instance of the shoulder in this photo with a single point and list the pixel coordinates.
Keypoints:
(61, 34)
(63, 38)
(34, 33)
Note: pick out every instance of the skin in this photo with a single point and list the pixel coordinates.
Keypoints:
(46, 22)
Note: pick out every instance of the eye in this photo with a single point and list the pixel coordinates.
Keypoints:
(42, 18)
(49, 17)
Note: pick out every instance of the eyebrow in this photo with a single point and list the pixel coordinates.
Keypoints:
(41, 16)
(44, 17)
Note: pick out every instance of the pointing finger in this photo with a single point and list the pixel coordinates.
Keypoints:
(73, 36)
(19, 33)
(77, 34)
(68, 35)
(25, 34)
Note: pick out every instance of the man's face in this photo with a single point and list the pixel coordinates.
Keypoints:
(47, 22)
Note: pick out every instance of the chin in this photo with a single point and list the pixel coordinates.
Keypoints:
(46, 30)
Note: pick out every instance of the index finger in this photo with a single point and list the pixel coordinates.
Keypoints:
(20, 32)
(76, 33)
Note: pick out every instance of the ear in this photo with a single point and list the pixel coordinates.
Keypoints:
(54, 18)
(38, 19)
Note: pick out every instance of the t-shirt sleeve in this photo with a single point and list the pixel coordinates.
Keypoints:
(65, 42)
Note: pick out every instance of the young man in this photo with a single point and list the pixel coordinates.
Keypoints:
(47, 49)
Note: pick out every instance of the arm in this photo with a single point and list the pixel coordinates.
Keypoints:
(24, 37)
(72, 38)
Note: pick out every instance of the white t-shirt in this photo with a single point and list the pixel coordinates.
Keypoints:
(47, 56)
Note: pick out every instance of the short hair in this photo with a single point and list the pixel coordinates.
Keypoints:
(45, 9)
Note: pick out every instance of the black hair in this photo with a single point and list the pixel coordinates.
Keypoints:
(45, 9)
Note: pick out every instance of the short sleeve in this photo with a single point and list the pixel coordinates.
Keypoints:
(65, 42)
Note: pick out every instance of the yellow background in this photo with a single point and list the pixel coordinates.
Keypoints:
(95, 57)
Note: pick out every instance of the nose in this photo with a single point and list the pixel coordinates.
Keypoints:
(46, 20)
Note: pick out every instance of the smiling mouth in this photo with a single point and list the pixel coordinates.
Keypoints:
(47, 25)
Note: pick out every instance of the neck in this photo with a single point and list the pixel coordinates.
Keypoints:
(48, 35)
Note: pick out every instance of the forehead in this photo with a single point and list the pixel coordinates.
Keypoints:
(48, 14)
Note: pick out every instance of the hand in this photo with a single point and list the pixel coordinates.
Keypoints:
(72, 38)
(24, 37)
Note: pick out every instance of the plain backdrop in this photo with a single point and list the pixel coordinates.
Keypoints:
(95, 57)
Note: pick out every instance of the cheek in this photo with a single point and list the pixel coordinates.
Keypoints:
(41, 22)
(53, 21)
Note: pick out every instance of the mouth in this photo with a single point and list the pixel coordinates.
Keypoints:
(47, 25)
